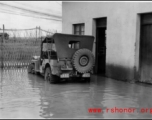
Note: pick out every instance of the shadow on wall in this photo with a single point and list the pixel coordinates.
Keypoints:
(120, 73)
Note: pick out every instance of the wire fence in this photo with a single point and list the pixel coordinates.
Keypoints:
(19, 45)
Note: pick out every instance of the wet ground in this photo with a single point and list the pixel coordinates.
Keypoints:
(24, 95)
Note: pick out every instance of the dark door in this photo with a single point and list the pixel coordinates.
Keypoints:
(101, 50)
(146, 48)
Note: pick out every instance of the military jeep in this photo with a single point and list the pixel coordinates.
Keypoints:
(64, 56)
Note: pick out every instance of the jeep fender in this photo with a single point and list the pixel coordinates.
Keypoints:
(55, 68)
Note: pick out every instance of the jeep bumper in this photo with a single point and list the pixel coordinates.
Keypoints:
(65, 75)
(86, 75)
(68, 75)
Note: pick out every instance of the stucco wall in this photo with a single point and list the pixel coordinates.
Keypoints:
(122, 54)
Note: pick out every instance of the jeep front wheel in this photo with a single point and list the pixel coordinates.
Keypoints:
(49, 77)
(31, 68)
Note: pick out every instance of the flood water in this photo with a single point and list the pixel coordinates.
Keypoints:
(24, 95)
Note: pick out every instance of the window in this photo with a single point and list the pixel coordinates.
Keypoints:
(74, 44)
(53, 54)
(79, 29)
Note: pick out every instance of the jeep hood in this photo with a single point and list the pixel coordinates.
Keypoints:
(62, 44)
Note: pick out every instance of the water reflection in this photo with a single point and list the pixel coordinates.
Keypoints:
(24, 95)
(18, 98)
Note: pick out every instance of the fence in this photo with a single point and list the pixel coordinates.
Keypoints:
(19, 45)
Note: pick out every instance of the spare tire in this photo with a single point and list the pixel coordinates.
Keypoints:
(83, 60)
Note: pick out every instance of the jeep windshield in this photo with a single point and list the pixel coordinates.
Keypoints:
(48, 48)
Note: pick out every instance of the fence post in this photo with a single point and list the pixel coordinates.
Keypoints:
(39, 33)
(40, 39)
(36, 33)
(2, 47)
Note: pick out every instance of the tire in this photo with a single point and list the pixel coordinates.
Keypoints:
(86, 79)
(83, 60)
(31, 68)
(37, 73)
(6, 37)
(49, 77)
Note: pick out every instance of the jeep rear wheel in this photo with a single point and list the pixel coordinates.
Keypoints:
(86, 79)
(83, 60)
(49, 77)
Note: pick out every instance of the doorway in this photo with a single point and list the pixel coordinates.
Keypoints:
(146, 48)
(101, 46)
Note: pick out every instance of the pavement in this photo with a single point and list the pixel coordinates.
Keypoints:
(24, 95)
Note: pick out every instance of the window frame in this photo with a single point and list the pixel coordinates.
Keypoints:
(74, 44)
(79, 29)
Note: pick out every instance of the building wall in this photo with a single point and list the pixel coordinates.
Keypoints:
(123, 28)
